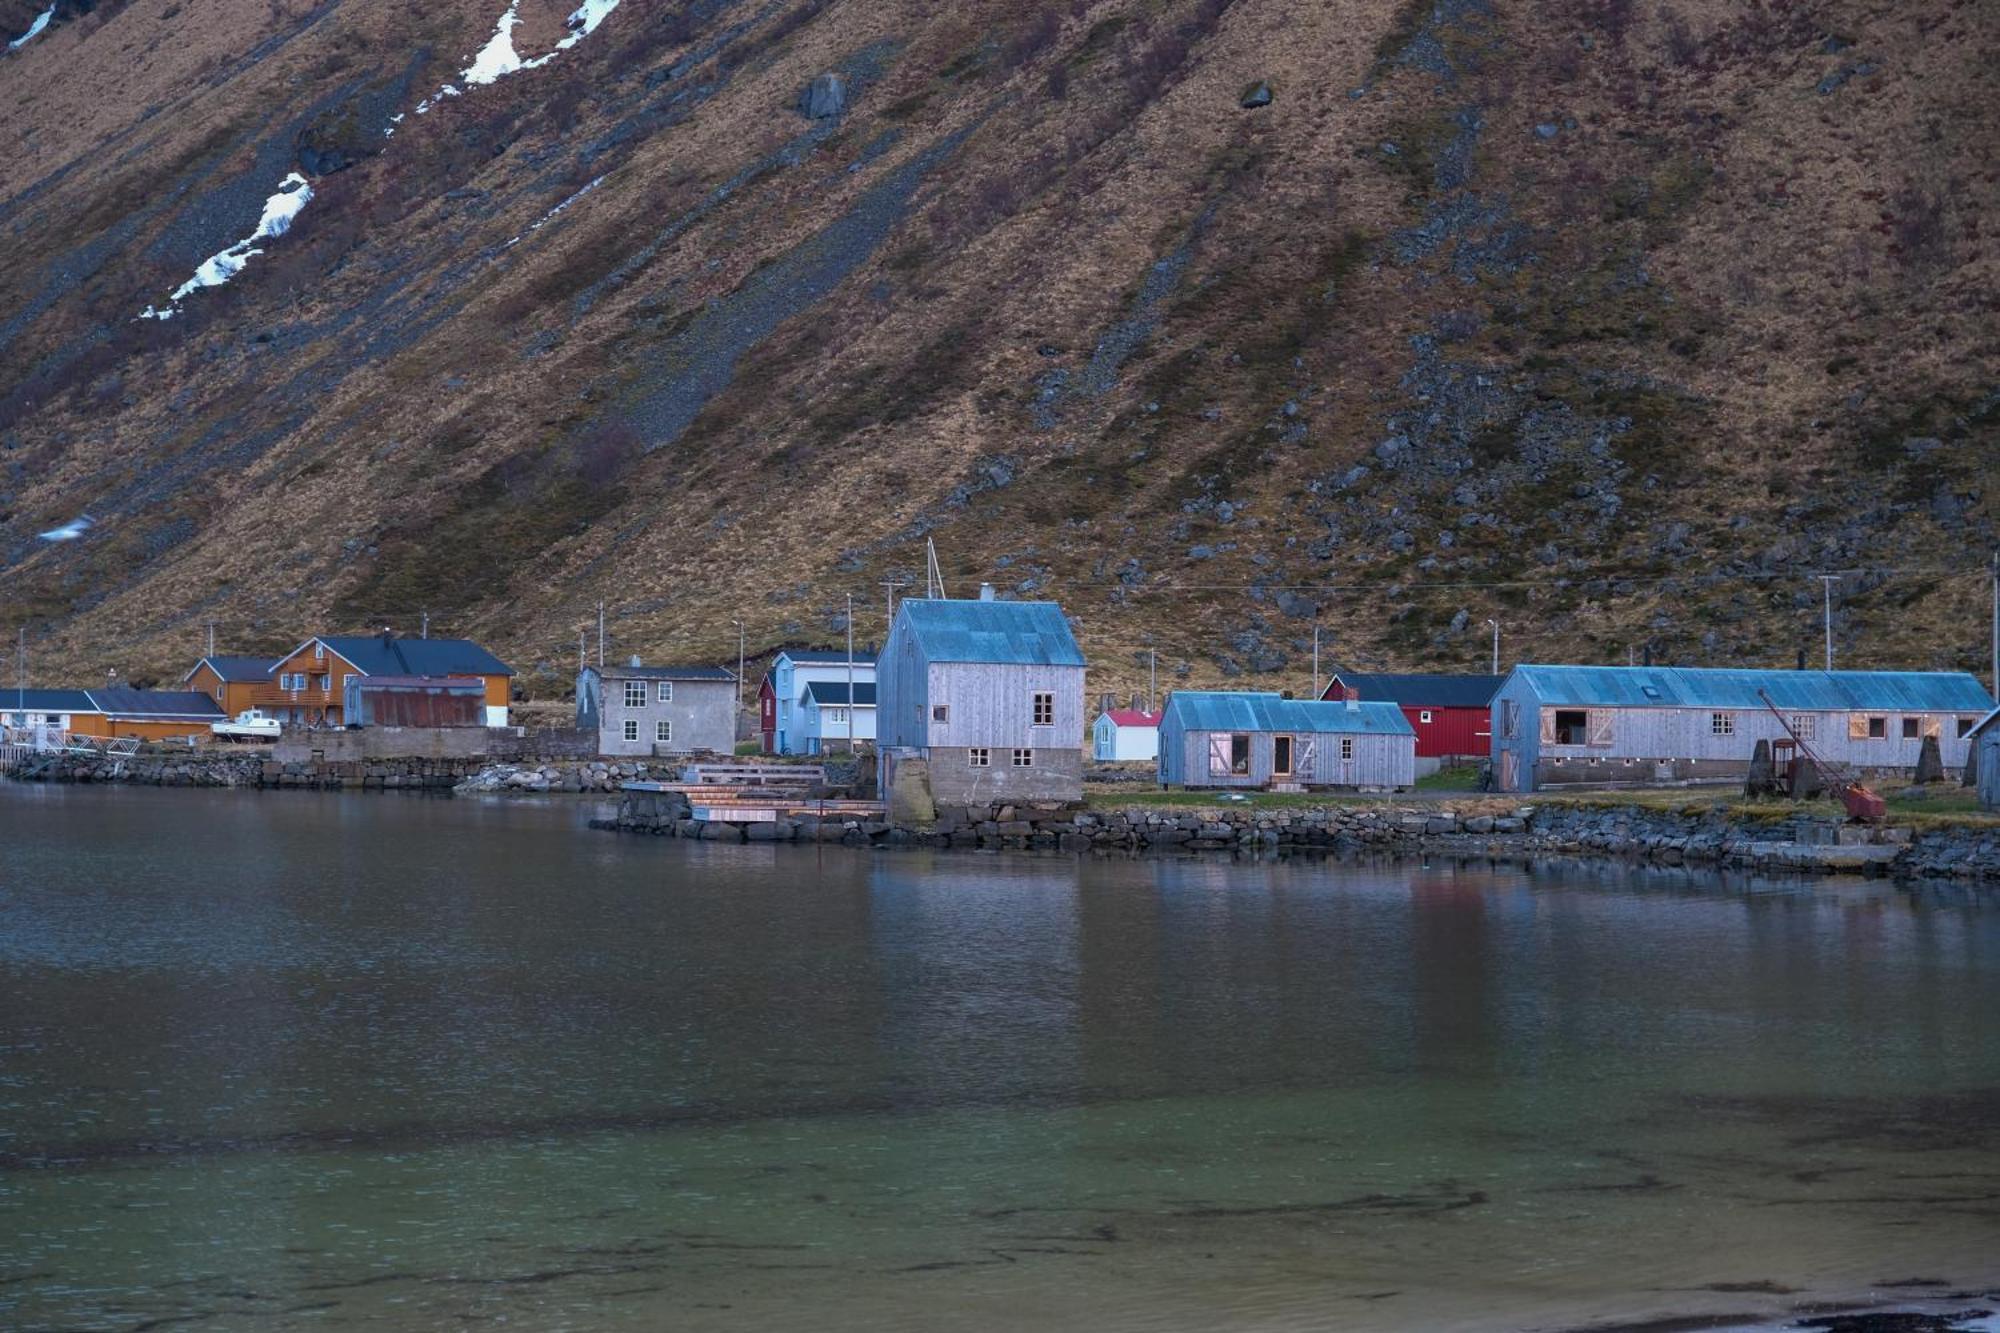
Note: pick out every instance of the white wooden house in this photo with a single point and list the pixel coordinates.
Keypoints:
(1124, 735)
(828, 720)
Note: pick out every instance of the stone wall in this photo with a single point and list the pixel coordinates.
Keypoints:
(1518, 833)
(596, 775)
(368, 744)
(233, 770)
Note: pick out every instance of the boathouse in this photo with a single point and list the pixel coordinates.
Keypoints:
(658, 710)
(1262, 740)
(988, 695)
(45, 710)
(1449, 714)
(148, 715)
(1569, 726)
(780, 696)
(1125, 735)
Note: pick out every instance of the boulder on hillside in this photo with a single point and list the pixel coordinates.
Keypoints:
(824, 98)
(1255, 95)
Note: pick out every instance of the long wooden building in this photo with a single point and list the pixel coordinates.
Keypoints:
(1557, 726)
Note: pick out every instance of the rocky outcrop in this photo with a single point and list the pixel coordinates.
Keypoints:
(596, 775)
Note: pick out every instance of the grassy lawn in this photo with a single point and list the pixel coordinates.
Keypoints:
(1946, 805)
(1463, 778)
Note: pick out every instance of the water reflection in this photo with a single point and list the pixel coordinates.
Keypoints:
(410, 1062)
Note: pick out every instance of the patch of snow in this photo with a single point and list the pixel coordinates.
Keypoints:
(498, 56)
(34, 29)
(294, 193)
(545, 218)
(585, 20)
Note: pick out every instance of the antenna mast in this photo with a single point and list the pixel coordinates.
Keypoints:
(933, 575)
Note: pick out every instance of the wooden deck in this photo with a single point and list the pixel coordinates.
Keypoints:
(739, 805)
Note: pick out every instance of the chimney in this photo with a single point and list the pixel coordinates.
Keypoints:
(1649, 655)
(1802, 659)
(387, 637)
(985, 592)
(1353, 697)
(633, 661)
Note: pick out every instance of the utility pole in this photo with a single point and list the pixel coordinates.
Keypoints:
(850, 673)
(600, 636)
(1996, 623)
(582, 656)
(211, 638)
(1826, 583)
(21, 662)
(1153, 680)
(425, 632)
(1496, 645)
(739, 667)
(1315, 693)
(889, 587)
(933, 573)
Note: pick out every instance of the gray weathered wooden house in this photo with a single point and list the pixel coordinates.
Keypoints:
(988, 694)
(658, 710)
(1247, 739)
(1657, 726)
(1986, 737)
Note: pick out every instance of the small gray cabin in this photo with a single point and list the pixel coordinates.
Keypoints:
(658, 711)
(1986, 740)
(1663, 726)
(988, 694)
(1245, 739)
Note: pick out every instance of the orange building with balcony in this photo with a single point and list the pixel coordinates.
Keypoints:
(307, 686)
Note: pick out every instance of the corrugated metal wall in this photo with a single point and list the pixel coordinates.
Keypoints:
(1379, 761)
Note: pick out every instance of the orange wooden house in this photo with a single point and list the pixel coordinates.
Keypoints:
(307, 686)
(147, 715)
(231, 681)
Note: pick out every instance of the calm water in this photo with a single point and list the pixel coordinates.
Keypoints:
(287, 1060)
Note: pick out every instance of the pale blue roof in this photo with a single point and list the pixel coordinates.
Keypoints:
(1009, 633)
(1204, 710)
(1802, 691)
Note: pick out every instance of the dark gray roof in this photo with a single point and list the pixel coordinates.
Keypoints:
(173, 704)
(834, 692)
(238, 669)
(1418, 690)
(46, 701)
(665, 673)
(378, 656)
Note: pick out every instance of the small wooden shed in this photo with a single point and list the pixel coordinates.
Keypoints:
(1243, 739)
(1986, 755)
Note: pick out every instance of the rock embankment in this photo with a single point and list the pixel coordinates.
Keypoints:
(1522, 833)
(240, 770)
(597, 775)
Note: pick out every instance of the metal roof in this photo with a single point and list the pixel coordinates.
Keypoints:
(834, 692)
(448, 684)
(1006, 633)
(1201, 710)
(664, 673)
(1418, 690)
(1132, 717)
(236, 669)
(379, 656)
(826, 656)
(1985, 724)
(46, 701)
(1803, 691)
(164, 705)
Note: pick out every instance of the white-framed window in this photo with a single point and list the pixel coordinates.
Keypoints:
(631, 728)
(1722, 724)
(319, 652)
(1510, 718)
(663, 692)
(663, 732)
(1346, 749)
(1024, 758)
(940, 712)
(1424, 716)
(979, 758)
(324, 681)
(1045, 709)
(635, 696)
(1805, 725)
(836, 717)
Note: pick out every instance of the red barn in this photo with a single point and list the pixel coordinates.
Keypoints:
(1450, 714)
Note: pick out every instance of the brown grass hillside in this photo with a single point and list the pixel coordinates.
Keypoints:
(1614, 322)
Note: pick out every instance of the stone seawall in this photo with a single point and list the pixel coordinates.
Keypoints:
(233, 770)
(1522, 833)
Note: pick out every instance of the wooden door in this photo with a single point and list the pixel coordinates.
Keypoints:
(1281, 756)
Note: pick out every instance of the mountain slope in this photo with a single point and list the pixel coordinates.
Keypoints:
(1615, 324)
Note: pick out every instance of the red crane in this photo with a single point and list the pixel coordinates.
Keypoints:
(1837, 778)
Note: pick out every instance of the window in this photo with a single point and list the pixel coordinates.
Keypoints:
(635, 696)
(663, 693)
(1024, 758)
(1805, 725)
(1965, 726)
(319, 652)
(940, 712)
(836, 716)
(1911, 730)
(323, 681)
(1045, 710)
(1239, 754)
(1572, 726)
(979, 758)
(1346, 749)
(663, 732)
(1722, 724)
(1281, 756)
(631, 728)
(1510, 719)
(1424, 716)
(1878, 727)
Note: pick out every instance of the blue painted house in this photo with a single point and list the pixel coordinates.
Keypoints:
(1559, 726)
(780, 709)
